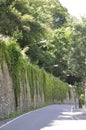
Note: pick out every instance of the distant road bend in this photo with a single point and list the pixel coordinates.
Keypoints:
(48, 118)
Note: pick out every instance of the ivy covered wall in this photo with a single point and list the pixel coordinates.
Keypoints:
(23, 85)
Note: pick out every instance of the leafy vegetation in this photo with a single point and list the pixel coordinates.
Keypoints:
(39, 81)
(56, 43)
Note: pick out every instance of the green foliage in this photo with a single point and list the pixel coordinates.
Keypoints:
(56, 90)
(16, 61)
(39, 81)
(2, 51)
(51, 87)
(78, 57)
(30, 22)
(60, 48)
(81, 100)
(34, 21)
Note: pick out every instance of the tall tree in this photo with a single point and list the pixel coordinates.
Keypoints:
(32, 22)
(78, 55)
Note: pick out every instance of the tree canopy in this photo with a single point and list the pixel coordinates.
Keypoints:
(56, 40)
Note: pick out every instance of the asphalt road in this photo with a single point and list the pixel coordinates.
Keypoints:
(48, 118)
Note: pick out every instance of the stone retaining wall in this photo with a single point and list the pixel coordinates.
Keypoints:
(7, 97)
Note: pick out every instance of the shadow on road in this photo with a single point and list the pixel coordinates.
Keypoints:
(45, 117)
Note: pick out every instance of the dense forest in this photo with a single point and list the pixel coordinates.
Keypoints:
(51, 38)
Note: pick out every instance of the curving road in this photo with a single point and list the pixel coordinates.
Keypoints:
(48, 118)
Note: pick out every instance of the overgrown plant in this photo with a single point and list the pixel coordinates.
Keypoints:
(39, 81)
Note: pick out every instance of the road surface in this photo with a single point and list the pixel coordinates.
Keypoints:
(48, 118)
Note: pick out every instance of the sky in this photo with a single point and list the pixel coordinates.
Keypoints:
(75, 7)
